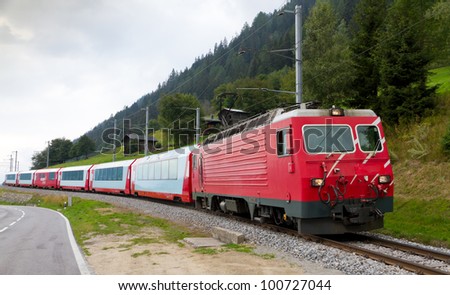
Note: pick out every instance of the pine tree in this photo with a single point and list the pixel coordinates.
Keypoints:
(326, 55)
(366, 22)
(403, 62)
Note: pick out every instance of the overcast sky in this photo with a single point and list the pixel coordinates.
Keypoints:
(66, 65)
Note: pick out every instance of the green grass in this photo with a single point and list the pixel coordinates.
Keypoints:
(241, 248)
(425, 221)
(143, 253)
(440, 77)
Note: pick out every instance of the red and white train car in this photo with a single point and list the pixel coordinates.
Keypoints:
(46, 178)
(11, 179)
(164, 176)
(74, 178)
(111, 177)
(326, 171)
(26, 178)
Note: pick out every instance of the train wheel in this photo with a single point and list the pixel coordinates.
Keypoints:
(278, 216)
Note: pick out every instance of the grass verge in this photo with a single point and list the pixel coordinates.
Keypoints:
(90, 218)
(425, 221)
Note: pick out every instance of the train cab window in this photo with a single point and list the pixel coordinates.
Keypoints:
(369, 138)
(328, 139)
(283, 142)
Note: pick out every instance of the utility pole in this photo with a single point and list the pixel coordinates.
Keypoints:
(10, 163)
(197, 123)
(197, 126)
(15, 162)
(146, 131)
(48, 153)
(298, 55)
(114, 145)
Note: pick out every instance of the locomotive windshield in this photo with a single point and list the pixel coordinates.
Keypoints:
(328, 139)
(369, 138)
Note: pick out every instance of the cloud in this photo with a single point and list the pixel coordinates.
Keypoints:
(67, 65)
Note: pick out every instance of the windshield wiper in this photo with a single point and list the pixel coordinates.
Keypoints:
(374, 152)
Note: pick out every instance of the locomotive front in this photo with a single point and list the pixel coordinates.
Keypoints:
(323, 171)
(346, 174)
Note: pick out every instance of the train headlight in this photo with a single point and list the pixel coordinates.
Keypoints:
(334, 111)
(316, 182)
(384, 179)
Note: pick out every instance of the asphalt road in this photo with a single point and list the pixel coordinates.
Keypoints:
(37, 241)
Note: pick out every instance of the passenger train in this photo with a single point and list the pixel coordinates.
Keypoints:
(322, 171)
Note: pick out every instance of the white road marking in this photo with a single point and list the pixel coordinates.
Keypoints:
(82, 266)
(14, 222)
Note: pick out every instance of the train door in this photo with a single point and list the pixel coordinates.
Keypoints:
(197, 173)
(285, 164)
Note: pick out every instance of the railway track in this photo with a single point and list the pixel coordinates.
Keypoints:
(427, 253)
(388, 259)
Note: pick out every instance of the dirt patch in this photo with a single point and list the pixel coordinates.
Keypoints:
(115, 255)
(148, 254)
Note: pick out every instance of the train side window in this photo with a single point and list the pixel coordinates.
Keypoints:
(284, 142)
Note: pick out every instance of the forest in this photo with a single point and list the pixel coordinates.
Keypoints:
(374, 54)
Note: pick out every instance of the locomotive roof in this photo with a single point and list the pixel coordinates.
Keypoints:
(321, 113)
(278, 115)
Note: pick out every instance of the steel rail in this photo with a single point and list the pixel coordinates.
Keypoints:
(428, 253)
(408, 265)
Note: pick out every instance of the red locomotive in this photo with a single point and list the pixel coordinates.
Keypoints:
(325, 171)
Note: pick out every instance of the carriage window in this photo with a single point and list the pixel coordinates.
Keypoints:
(157, 170)
(283, 142)
(10, 177)
(165, 169)
(151, 171)
(26, 176)
(173, 169)
(328, 139)
(369, 138)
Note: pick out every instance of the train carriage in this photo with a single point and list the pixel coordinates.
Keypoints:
(164, 176)
(11, 179)
(74, 178)
(325, 171)
(111, 177)
(26, 178)
(46, 178)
